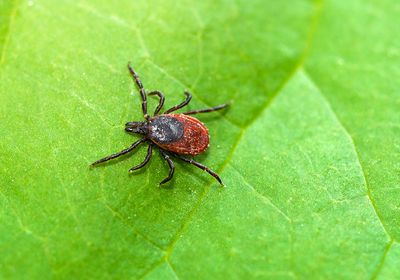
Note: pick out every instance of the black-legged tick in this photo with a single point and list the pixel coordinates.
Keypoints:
(173, 134)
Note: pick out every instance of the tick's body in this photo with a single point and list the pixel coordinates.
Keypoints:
(177, 134)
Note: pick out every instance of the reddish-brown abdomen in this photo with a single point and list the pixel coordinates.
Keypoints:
(194, 139)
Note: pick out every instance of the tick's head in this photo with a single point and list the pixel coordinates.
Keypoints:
(136, 127)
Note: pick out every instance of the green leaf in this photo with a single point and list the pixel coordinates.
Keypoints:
(309, 149)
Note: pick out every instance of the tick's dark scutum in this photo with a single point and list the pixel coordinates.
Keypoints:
(165, 129)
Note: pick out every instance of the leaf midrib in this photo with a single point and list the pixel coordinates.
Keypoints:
(307, 46)
(298, 66)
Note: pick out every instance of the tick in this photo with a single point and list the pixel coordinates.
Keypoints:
(175, 135)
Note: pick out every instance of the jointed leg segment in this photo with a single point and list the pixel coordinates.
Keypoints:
(146, 160)
(216, 108)
(141, 90)
(171, 167)
(161, 103)
(183, 104)
(123, 152)
(201, 166)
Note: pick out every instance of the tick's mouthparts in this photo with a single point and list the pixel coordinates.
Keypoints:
(133, 124)
(136, 127)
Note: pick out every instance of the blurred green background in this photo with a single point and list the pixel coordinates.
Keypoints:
(309, 150)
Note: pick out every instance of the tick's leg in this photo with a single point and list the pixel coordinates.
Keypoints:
(216, 108)
(141, 90)
(161, 103)
(123, 152)
(201, 166)
(146, 160)
(171, 167)
(183, 104)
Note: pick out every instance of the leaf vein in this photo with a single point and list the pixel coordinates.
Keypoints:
(370, 197)
(263, 197)
(121, 218)
(172, 268)
(118, 22)
(92, 107)
(8, 32)
(383, 259)
(151, 268)
(312, 28)
(351, 139)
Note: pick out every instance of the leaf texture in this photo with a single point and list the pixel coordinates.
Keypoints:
(309, 149)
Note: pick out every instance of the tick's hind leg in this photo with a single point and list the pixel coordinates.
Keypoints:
(183, 104)
(161, 103)
(216, 108)
(201, 166)
(123, 152)
(145, 161)
(171, 167)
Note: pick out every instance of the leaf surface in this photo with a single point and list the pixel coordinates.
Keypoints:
(309, 149)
